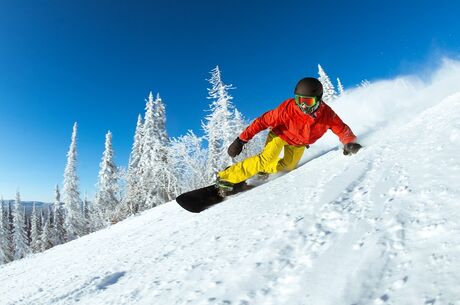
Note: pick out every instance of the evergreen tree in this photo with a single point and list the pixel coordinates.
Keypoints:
(122, 174)
(254, 146)
(35, 231)
(340, 87)
(133, 187)
(4, 241)
(20, 239)
(166, 183)
(238, 124)
(156, 178)
(47, 232)
(219, 127)
(188, 161)
(329, 93)
(73, 222)
(160, 120)
(58, 231)
(106, 202)
(7, 237)
(148, 157)
(365, 83)
(87, 211)
(27, 226)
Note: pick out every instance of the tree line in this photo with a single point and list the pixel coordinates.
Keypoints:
(159, 169)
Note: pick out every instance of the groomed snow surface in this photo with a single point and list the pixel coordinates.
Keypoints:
(380, 227)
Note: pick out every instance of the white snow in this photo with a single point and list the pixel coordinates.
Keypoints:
(380, 227)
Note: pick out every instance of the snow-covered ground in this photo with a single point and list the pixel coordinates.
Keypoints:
(380, 227)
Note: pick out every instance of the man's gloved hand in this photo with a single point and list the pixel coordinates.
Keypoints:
(235, 148)
(351, 148)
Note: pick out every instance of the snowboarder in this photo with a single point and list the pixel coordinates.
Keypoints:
(295, 124)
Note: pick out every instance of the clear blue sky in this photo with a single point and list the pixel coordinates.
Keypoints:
(94, 62)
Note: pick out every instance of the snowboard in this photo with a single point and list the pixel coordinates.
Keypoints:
(199, 200)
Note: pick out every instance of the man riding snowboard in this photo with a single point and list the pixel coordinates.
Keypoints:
(295, 124)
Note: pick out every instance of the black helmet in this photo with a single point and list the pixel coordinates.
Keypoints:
(309, 86)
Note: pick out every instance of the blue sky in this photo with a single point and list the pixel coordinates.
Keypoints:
(94, 62)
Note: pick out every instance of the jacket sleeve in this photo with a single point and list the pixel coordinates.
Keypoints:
(270, 118)
(340, 128)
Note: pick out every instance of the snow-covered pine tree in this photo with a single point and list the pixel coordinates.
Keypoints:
(238, 123)
(155, 176)
(106, 202)
(167, 183)
(26, 225)
(189, 159)
(58, 231)
(364, 83)
(254, 146)
(10, 227)
(150, 145)
(20, 239)
(218, 126)
(160, 121)
(34, 231)
(340, 87)
(122, 173)
(87, 215)
(47, 232)
(7, 237)
(133, 188)
(329, 93)
(73, 222)
(4, 242)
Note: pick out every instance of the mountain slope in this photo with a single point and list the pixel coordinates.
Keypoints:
(380, 227)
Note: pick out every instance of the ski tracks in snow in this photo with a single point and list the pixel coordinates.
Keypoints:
(333, 210)
(327, 207)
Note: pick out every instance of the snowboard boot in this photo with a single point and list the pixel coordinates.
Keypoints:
(261, 176)
(224, 188)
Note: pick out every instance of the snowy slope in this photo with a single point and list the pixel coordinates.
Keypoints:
(381, 227)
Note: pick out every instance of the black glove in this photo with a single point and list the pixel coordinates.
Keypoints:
(351, 148)
(235, 148)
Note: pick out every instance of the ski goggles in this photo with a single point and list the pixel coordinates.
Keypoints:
(306, 101)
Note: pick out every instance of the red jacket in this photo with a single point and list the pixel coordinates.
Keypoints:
(297, 128)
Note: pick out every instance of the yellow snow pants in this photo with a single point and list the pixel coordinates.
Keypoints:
(267, 161)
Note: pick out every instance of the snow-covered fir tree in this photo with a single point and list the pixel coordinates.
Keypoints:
(329, 93)
(150, 148)
(122, 174)
(254, 146)
(156, 178)
(189, 161)
(47, 232)
(133, 188)
(219, 128)
(34, 231)
(340, 87)
(58, 231)
(107, 200)
(20, 238)
(4, 241)
(238, 124)
(6, 236)
(160, 119)
(364, 83)
(167, 185)
(88, 226)
(73, 222)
